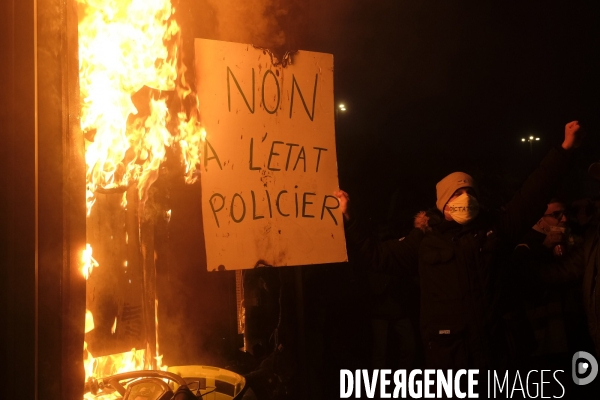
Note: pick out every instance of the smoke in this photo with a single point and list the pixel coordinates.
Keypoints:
(253, 21)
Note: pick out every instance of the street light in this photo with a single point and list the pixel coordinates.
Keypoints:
(341, 108)
(531, 139)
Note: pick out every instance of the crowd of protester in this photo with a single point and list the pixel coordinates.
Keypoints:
(472, 287)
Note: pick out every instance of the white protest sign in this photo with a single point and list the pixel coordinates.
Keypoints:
(269, 166)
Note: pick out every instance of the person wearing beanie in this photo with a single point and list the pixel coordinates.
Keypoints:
(457, 250)
(457, 197)
(446, 188)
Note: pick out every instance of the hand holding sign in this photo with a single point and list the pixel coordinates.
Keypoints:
(344, 200)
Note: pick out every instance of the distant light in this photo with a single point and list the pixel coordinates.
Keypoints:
(522, 140)
(530, 137)
(342, 106)
(537, 138)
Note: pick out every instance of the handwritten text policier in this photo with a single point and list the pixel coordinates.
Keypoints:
(458, 250)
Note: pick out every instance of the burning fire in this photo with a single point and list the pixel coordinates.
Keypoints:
(133, 360)
(159, 356)
(89, 321)
(124, 47)
(129, 67)
(88, 263)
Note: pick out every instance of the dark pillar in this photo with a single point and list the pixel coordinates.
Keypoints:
(43, 201)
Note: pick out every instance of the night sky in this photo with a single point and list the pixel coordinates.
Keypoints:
(435, 86)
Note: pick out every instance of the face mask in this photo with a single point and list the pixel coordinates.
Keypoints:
(543, 227)
(464, 208)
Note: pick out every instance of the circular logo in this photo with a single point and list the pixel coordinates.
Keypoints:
(584, 368)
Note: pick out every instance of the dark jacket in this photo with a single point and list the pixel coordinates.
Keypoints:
(544, 305)
(459, 268)
(583, 262)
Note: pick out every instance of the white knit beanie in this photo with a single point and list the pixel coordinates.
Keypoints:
(450, 184)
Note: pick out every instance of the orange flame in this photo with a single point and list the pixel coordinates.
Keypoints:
(89, 362)
(89, 321)
(111, 364)
(124, 200)
(124, 47)
(158, 357)
(134, 360)
(88, 262)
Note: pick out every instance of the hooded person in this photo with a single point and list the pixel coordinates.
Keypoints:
(458, 250)
(460, 205)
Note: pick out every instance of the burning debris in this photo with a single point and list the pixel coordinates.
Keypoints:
(138, 114)
(136, 104)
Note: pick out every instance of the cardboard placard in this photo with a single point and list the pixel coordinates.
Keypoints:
(269, 166)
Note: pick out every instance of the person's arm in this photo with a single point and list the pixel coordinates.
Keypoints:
(531, 200)
(392, 256)
(529, 260)
(567, 269)
(539, 266)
